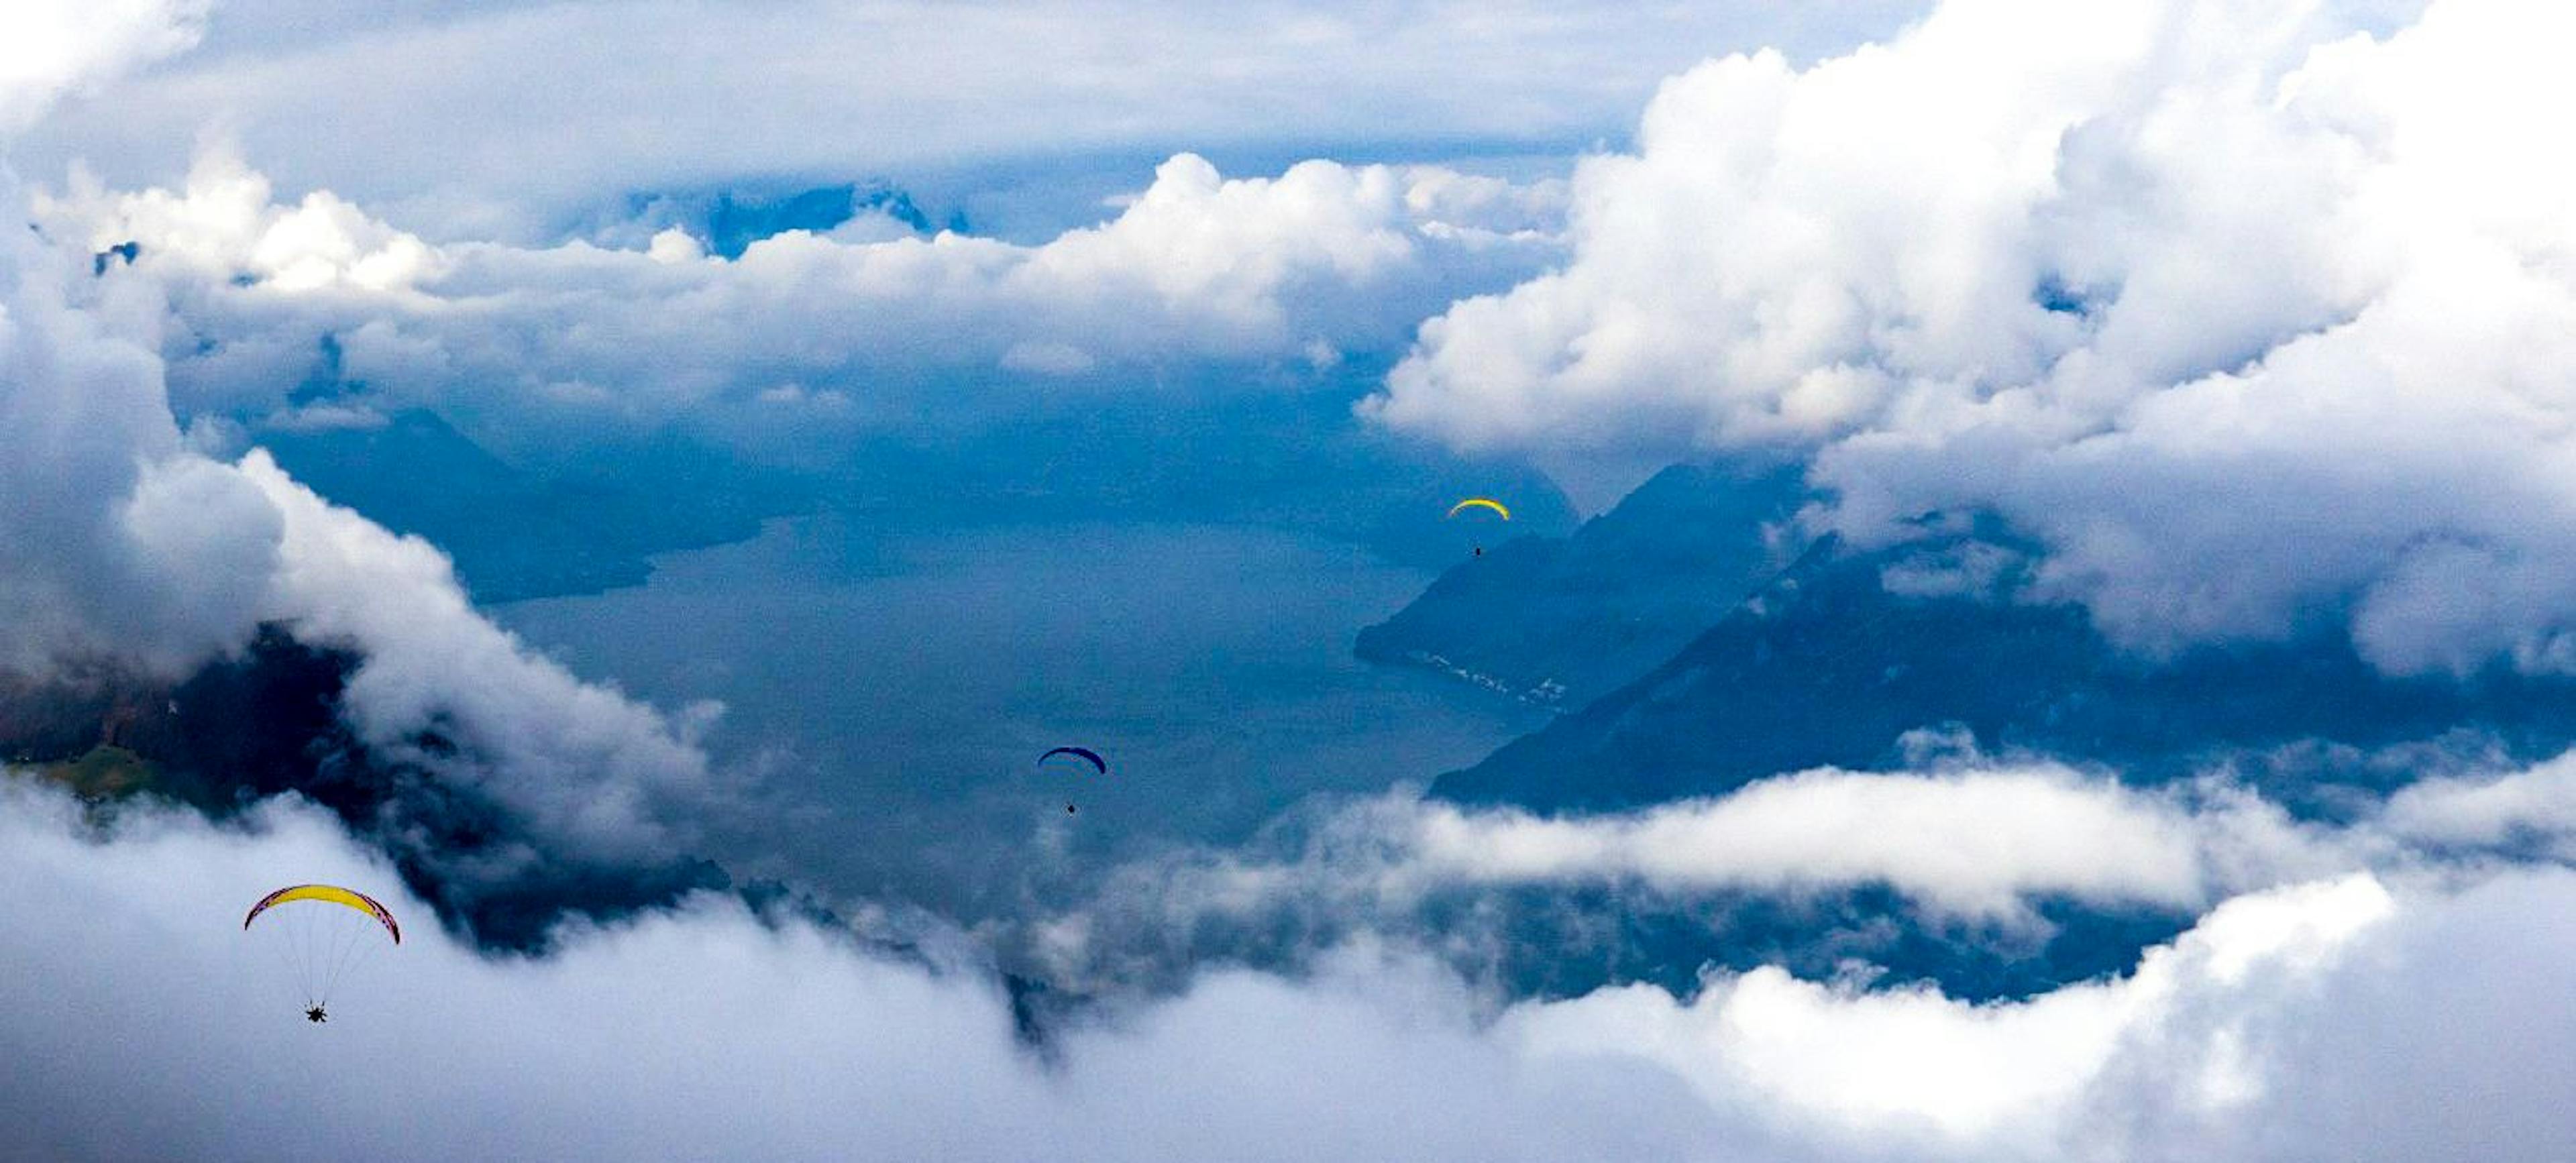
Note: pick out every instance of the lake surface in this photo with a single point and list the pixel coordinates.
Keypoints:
(891, 691)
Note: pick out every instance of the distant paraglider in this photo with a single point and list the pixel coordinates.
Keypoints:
(326, 931)
(1099, 766)
(1498, 507)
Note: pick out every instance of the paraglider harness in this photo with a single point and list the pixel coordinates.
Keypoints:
(315, 1014)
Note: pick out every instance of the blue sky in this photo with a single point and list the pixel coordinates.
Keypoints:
(2249, 318)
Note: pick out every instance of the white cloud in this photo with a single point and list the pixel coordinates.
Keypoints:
(1911, 1061)
(1198, 268)
(226, 223)
(123, 547)
(2244, 313)
(2261, 1033)
(2332, 1004)
(1982, 851)
(96, 549)
(587, 764)
(1978, 846)
(130, 545)
(1971, 844)
(1226, 248)
(52, 47)
(494, 120)
(673, 244)
(2537, 805)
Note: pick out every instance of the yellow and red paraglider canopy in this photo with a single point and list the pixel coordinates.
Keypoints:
(332, 894)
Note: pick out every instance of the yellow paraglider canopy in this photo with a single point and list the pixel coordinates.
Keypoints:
(333, 894)
(1480, 503)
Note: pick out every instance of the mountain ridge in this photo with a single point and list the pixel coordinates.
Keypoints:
(1558, 621)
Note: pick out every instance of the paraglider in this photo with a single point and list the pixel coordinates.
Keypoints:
(1498, 507)
(321, 931)
(1099, 766)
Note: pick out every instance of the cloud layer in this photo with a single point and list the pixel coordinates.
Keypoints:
(58, 46)
(2093, 321)
(1990, 879)
(2298, 1023)
(806, 337)
(2244, 312)
(128, 549)
(125, 549)
(457, 114)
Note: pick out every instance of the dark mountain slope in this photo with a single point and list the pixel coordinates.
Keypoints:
(268, 721)
(1827, 665)
(514, 534)
(1560, 621)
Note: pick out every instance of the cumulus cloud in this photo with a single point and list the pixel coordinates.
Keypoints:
(1196, 268)
(1970, 844)
(2244, 311)
(584, 762)
(2535, 807)
(1977, 843)
(113, 541)
(123, 547)
(97, 545)
(2260, 1033)
(1988, 854)
(2344, 986)
(1962, 1073)
(126, 547)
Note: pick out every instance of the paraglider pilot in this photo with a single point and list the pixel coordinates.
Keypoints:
(315, 1014)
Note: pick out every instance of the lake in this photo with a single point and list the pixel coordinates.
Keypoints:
(889, 692)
